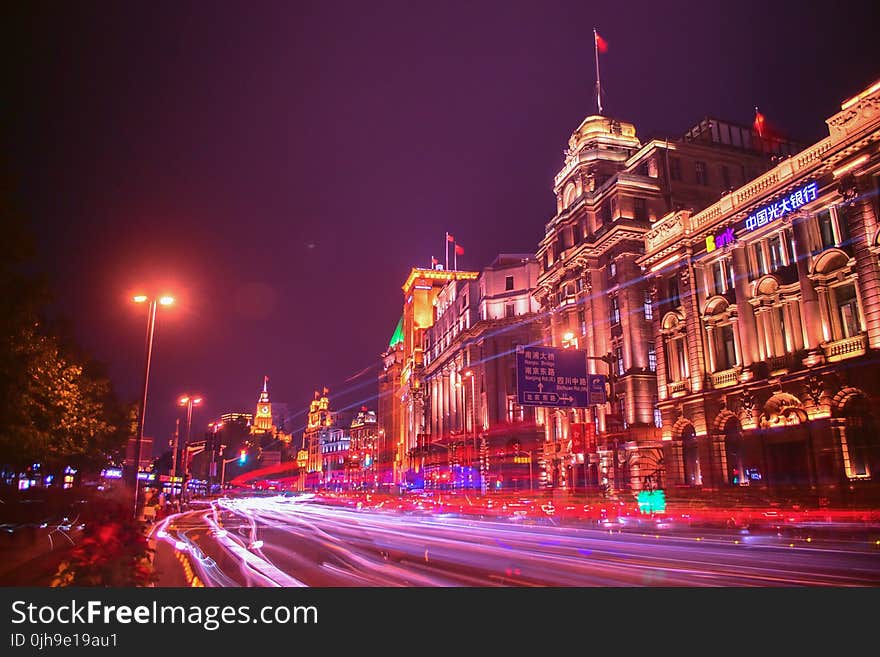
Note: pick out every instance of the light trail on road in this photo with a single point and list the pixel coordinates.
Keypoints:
(285, 541)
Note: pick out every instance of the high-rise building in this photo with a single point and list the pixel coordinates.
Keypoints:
(609, 193)
(766, 322)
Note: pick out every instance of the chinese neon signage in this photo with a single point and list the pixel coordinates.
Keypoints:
(784, 206)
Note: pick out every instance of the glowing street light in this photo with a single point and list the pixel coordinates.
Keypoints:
(188, 401)
(151, 327)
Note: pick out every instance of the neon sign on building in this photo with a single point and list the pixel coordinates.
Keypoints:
(721, 239)
(784, 206)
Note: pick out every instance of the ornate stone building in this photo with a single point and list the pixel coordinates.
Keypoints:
(474, 424)
(419, 292)
(766, 322)
(609, 193)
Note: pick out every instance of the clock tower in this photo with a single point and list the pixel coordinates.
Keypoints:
(263, 416)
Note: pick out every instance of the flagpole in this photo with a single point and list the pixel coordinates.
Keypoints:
(455, 256)
(446, 252)
(598, 81)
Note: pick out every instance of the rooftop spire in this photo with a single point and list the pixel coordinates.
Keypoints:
(265, 384)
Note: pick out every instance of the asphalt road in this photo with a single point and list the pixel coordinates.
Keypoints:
(290, 542)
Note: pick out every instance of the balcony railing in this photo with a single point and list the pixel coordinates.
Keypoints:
(846, 348)
(725, 378)
(677, 388)
(779, 363)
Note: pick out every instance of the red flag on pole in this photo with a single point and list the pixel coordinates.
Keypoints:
(759, 123)
(601, 44)
(450, 238)
(434, 262)
(459, 250)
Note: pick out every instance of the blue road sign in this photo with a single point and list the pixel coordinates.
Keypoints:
(548, 376)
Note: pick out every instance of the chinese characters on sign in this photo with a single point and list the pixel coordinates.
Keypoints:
(784, 206)
(547, 376)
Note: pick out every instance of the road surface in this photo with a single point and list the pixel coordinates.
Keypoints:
(293, 542)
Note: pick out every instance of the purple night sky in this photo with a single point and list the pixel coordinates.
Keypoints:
(281, 165)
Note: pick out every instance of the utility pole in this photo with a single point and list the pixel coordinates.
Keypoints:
(174, 451)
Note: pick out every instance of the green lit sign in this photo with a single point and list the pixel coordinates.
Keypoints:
(652, 501)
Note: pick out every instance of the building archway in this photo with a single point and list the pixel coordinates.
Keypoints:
(734, 448)
(860, 443)
(690, 455)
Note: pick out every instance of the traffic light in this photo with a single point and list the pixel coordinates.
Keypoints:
(242, 457)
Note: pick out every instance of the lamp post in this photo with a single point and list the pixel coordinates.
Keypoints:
(569, 340)
(188, 401)
(151, 327)
(609, 360)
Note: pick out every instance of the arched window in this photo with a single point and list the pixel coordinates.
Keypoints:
(675, 346)
(719, 319)
(835, 283)
(569, 195)
(690, 454)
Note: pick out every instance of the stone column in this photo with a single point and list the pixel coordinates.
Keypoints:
(746, 326)
(809, 297)
(710, 346)
(761, 341)
(862, 225)
(824, 315)
(737, 344)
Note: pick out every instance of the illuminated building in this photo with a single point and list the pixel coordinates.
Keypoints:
(609, 193)
(321, 430)
(419, 292)
(474, 424)
(767, 322)
(263, 417)
(364, 450)
(243, 419)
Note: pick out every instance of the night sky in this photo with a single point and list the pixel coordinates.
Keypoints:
(279, 167)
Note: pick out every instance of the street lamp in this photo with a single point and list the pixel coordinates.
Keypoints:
(151, 327)
(189, 401)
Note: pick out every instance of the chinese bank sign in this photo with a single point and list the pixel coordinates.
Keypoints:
(782, 207)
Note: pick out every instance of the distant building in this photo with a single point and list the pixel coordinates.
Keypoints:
(326, 445)
(363, 455)
(263, 422)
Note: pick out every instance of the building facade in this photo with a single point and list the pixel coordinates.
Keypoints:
(320, 429)
(474, 423)
(363, 454)
(766, 322)
(609, 193)
(420, 291)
